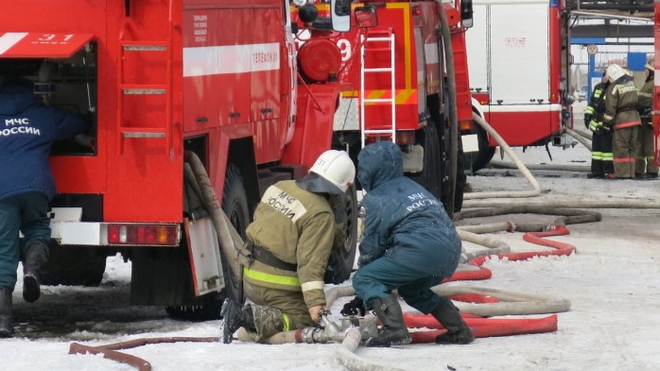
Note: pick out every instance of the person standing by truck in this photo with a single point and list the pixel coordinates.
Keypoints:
(27, 130)
(644, 166)
(622, 117)
(291, 237)
(601, 144)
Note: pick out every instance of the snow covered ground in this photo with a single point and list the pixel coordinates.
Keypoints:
(612, 283)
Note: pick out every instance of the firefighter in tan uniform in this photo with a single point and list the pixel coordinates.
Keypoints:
(644, 167)
(291, 239)
(621, 115)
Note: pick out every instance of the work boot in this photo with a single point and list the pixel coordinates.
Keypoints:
(35, 257)
(393, 331)
(6, 318)
(651, 176)
(450, 318)
(235, 316)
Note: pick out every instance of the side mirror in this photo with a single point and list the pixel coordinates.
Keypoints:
(366, 16)
(467, 13)
(340, 15)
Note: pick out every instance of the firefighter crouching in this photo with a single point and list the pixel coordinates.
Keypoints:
(26, 186)
(644, 166)
(291, 238)
(621, 115)
(409, 244)
(601, 144)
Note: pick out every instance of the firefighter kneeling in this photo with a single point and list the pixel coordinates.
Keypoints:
(291, 238)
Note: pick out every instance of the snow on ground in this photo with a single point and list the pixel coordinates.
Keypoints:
(612, 282)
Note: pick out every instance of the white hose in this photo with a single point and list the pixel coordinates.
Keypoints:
(345, 355)
(537, 189)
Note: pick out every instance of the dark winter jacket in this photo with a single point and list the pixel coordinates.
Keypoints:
(27, 130)
(404, 222)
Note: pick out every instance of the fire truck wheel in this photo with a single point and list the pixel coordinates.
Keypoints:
(342, 258)
(486, 152)
(74, 266)
(235, 205)
(429, 177)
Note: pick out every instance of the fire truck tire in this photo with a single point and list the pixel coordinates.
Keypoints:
(235, 205)
(429, 177)
(74, 266)
(342, 259)
(486, 152)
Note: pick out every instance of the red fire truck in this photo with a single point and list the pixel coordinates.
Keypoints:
(519, 59)
(656, 88)
(411, 86)
(169, 81)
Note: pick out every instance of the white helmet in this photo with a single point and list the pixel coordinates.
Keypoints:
(336, 167)
(615, 72)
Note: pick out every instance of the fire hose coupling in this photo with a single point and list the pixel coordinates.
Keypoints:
(329, 331)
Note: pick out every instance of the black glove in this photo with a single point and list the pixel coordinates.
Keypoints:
(353, 308)
(587, 120)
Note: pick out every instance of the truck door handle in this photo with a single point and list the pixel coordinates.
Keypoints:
(266, 110)
(235, 114)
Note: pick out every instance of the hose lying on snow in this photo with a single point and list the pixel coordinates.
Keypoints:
(534, 192)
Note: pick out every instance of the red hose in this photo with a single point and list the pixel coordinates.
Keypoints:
(481, 327)
(561, 248)
(109, 351)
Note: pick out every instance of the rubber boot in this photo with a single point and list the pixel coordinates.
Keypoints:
(393, 331)
(235, 316)
(6, 318)
(35, 257)
(450, 318)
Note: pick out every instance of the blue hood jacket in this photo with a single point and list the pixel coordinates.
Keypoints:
(27, 130)
(404, 222)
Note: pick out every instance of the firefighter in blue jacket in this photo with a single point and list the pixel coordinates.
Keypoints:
(27, 130)
(409, 244)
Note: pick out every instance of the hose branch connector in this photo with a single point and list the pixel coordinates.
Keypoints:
(328, 331)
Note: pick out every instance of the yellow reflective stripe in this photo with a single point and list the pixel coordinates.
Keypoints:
(272, 278)
(287, 322)
(312, 285)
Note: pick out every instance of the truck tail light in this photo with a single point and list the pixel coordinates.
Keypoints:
(143, 234)
(465, 125)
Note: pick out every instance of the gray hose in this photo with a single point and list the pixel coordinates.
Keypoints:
(537, 188)
(549, 167)
(230, 241)
(580, 138)
(445, 35)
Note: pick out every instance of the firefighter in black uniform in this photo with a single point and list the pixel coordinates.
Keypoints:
(601, 144)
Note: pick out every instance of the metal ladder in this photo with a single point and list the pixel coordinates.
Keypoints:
(379, 37)
(126, 89)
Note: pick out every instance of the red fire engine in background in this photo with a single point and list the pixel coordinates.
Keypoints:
(411, 86)
(519, 59)
(169, 80)
(656, 88)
